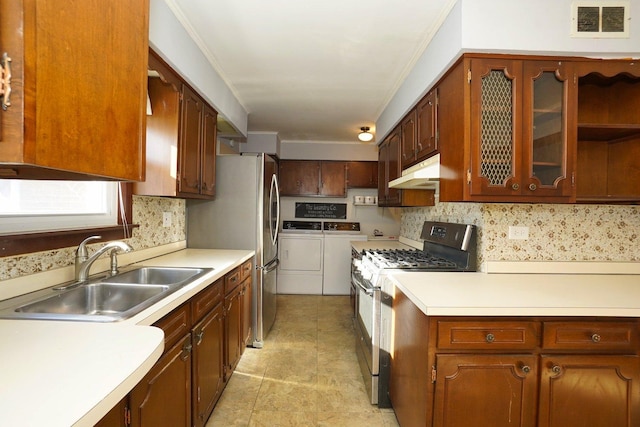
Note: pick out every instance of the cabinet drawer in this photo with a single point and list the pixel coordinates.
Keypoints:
(245, 270)
(488, 335)
(205, 300)
(592, 336)
(232, 279)
(175, 325)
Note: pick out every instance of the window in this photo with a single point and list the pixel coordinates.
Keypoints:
(27, 206)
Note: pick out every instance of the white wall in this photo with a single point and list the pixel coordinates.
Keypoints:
(502, 26)
(169, 39)
(328, 151)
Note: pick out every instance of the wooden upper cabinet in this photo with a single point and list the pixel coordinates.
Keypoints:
(408, 135)
(522, 131)
(299, 177)
(427, 126)
(181, 138)
(77, 103)
(189, 171)
(313, 178)
(608, 153)
(362, 174)
(333, 179)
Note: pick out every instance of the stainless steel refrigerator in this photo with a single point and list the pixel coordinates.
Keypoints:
(244, 215)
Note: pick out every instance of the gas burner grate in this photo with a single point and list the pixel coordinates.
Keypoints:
(409, 259)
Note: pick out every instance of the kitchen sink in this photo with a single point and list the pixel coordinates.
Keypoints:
(107, 299)
(97, 299)
(155, 275)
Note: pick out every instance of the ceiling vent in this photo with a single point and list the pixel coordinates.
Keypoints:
(600, 19)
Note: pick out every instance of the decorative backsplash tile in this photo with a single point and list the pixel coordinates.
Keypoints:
(556, 232)
(147, 212)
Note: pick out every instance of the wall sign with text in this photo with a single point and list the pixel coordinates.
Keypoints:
(321, 210)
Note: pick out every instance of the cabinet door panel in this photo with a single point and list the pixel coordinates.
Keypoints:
(208, 364)
(485, 390)
(548, 128)
(594, 391)
(299, 178)
(190, 124)
(209, 140)
(495, 127)
(409, 143)
(233, 325)
(78, 89)
(427, 118)
(362, 174)
(163, 397)
(333, 179)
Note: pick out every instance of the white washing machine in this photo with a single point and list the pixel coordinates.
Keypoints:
(336, 278)
(300, 250)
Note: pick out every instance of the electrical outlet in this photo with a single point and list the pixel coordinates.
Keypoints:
(166, 219)
(518, 233)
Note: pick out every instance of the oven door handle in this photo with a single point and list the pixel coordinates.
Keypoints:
(365, 289)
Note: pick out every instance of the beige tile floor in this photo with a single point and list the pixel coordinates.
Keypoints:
(307, 373)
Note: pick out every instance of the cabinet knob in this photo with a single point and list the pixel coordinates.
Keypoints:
(596, 337)
(490, 338)
(532, 187)
(515, 186)
(526, 369)
(556, 369)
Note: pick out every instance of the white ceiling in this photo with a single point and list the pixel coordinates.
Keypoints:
(312, 70)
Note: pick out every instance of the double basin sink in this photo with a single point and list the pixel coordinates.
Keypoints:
(107, 299)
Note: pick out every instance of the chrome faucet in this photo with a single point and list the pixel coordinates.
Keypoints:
(84, 261)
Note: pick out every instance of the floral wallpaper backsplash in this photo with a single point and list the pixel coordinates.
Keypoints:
(147, 213)
(556, 232)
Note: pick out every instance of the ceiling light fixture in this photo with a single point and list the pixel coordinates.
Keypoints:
(365, 135)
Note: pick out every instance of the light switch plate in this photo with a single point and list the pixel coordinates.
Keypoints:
(166, 219)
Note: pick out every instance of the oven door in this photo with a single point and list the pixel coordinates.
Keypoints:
(367, 322)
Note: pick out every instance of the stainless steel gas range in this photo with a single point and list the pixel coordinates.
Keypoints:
(446, 247)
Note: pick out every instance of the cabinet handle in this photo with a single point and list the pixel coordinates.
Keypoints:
(526, 369)
(532, 187)
(596, 337)
(186, 350)
(199, 336)
(5, 80)
(515, 186)
(490, 338)
(556, 369)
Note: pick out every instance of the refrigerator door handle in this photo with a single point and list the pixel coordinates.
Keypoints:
(270, 266)
(274, 189)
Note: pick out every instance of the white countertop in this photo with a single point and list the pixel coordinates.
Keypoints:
(72, 373)
(482, 294)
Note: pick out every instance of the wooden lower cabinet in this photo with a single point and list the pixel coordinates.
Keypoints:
(163, 397)
(587, 390)
(208, 364)
(204, 339)
(524, 372)
(247, 315)
(497, 390)
(233, 333)
(118, 416)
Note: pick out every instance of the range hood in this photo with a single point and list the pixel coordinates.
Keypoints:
(422, 176)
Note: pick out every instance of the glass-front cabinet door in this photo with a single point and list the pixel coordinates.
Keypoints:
(547, 133)
(495, 127)
(520, 130)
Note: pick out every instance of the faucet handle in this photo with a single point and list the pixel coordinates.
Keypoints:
(81, 252)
